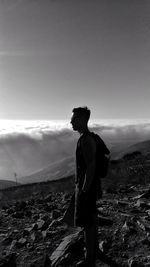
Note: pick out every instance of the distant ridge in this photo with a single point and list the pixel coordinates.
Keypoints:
(25, 191)
(57, 170)
(7, 183)
(66, 166)
(143, 147)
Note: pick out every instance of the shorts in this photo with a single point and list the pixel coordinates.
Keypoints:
(85, 209)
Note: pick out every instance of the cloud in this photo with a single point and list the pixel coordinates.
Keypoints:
(124, 129)
(27, 146)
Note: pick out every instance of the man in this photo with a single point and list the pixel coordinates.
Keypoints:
(86, 184)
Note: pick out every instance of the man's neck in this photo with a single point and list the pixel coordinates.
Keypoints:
(83, 131)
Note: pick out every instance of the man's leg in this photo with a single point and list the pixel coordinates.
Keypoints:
(91, 240)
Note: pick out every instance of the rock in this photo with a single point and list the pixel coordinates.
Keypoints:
(5, 207)
(15, 231)
(12, 246)
(55, 214)
(18, 214)
(141, 225)
(135, 210)
(141, 204)
(31, 202)
(8, 261)
(44, 234)
(27, 231)
(104, 246)
(66, 259)
(21, 242)
(37, 231)
(129, 228)
(55, 223)
(34, 226)
(10, 211)
(144, 195)
(42, 225)
(59, 254)
(28, 213)
(48, 198)
(41, 262)
(20, 205)
(3, 235)
(106, 259)
(66, 197)
(100, 210)
(33, 237)
(38, 236)
(40, 201)
(36, 217)
(123, 203)
(148, 212)
(48, 207)
(7, 240)
(51, 233)
(103, 221)
(146, 241)
(125, 227)
(45, 217)
(133, 262)
(144, 225)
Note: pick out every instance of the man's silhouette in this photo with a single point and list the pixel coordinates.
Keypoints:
(86, 184)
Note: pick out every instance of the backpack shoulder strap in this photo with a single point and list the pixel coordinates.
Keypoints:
(101, 143)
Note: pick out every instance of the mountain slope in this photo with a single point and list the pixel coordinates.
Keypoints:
(60, 169)
(143, 147)
(6, 184)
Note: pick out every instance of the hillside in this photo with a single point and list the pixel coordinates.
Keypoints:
(66, 167)
(60, 169)
(33, 232)
(143, 147)
(7, 183)
(25, 191)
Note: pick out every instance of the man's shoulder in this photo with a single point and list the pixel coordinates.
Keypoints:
(88, 139)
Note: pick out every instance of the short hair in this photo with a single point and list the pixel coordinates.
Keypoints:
(82, 111)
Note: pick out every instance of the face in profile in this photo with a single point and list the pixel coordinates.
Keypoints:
(76, 122)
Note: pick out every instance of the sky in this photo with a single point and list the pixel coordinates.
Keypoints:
(58, 54)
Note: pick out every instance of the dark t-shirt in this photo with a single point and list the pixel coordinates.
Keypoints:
(85, 204)
(81, 167)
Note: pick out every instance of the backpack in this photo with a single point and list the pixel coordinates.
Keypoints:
(102, 156)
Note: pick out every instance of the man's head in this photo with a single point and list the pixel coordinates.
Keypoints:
(80, 118)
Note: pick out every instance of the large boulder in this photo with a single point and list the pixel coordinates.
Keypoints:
(63, 254)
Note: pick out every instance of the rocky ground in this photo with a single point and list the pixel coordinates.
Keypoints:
(33, 234)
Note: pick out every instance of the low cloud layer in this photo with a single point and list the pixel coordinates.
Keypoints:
(26, 147)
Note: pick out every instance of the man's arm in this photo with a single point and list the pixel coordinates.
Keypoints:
(88, 146)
